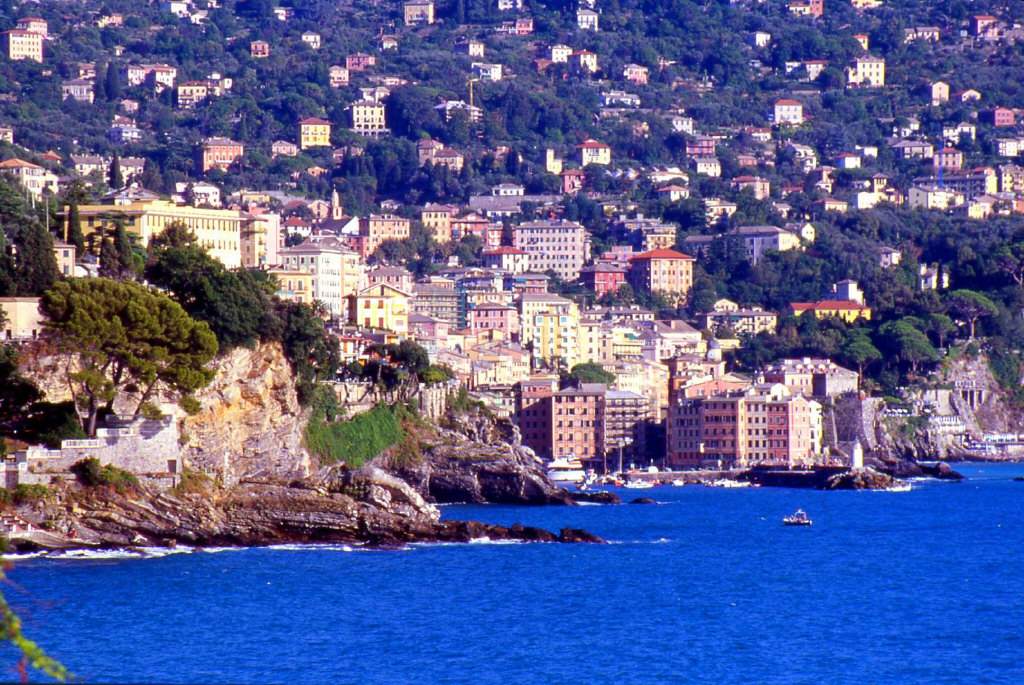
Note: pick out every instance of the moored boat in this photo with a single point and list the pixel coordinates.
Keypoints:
(566, 470)
(797, 518)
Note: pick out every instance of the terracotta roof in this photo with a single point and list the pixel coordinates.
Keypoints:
(787, 101)
(16, 163)
(505, 249)
(315, 121)
(663, 253)
(591, 143)
(827, 304)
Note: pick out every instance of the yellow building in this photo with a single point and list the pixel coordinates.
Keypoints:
(382, 306)
(846, 310)
(662, 271)
(314, 132)
(368, 118)
(294, 286)
(550, 324)
(218, 231)
(867, 71)
(23, 45)
(64, 253)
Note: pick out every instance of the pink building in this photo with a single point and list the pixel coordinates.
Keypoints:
(494, 317)
(603, 277)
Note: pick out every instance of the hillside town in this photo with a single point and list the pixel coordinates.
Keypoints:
(636, 255)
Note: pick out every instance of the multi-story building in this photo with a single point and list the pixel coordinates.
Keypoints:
(549, 325)
(846, 310)
(627, 415)
(510, 259)
(603, 278)
(533, 412)
(438, 220)
(383, 307)
(64, 254)
(218, 231)
(377, 228)
(192, 93)
(325, 263)
(259, 49)
(789, 111)
(21, 45)
(260, 239)
(587, 20)
(32, 177)
(812, 377)
(337, 76)
(739, 320)
(577, 422)
(312, 39)
(219, 153)
(34, 25)
(418, 12)
(593, 152)
(490, 317)
(666, 272)
(560, 246)
(294, 286)
(360, 61)
(79, 90)
(764, 425)
(367, 118)
(866, 71)
(314, 132)
(436, 301)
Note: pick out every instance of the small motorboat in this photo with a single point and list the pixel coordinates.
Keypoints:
(797, 518)
(638, 485)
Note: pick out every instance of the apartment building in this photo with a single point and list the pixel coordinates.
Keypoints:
(560, 246)
(376, 228)
(367, 118)
(550, 325)
(867, 72)
(382, 307)
(32, 177)
(812, 378)
(23, 45)
(662, 271)
(763, 425)
(218, 231)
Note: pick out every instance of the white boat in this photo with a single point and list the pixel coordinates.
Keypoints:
(566, 470)
(638, 485)
(726, 483)
(678, 482)
(900, 486)
(797, 518)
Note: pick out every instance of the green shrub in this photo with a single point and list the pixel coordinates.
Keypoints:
(189, 404)
(25, 493)
(151, 412)
(51, 423)
(193, 482)
(355, 441)
(90, 473)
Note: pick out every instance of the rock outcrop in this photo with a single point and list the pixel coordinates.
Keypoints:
(860, 479)
(478, 459)
(366, 507)
(250, 425)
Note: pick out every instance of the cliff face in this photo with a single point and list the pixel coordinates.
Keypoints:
(478, 459)
(964, 398)
(251, 424)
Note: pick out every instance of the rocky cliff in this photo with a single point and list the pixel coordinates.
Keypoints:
(251, 424)
(362, 507)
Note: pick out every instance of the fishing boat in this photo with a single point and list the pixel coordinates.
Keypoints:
(566, 470)
(797, 518)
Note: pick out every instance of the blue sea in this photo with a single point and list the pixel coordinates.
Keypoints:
(705, 587)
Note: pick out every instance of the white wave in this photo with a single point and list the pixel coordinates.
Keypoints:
(487, 541)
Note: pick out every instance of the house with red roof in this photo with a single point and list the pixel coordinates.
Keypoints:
(662, 271)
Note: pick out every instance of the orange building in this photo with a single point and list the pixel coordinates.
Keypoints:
(662, 271)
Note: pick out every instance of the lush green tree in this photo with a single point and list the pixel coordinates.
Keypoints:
(236, 305)
(909, 345)
(859, 349)
(972, 305)
(313, 353)
(35, 263)
(590, 373)
(124, 337)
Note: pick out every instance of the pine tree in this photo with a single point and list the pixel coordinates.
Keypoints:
(114, 177)
(74, 235)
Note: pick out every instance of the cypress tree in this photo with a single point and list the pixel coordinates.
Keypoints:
(114, 177)
(74, 235)
(112, 83)
(109, 262)
(36, 266)
(125, 254)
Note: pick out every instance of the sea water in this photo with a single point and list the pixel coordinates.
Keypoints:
(706, 586)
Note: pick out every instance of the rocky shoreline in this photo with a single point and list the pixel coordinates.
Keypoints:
(365, 507)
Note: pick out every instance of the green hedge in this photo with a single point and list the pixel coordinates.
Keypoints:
(355, 441)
